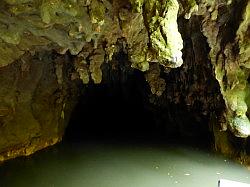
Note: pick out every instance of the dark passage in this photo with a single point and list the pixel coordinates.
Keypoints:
(121, 112)
(113, 111)
(119, 109)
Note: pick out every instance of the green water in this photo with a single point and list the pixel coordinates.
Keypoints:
(117, 164)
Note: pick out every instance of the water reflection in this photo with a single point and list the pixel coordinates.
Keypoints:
(120, 165)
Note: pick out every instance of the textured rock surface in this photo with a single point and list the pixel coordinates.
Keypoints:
(90, 31)
(226, 29)
(35, 104)
(210, 39)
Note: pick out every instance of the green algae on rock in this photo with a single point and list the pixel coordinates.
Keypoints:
(231, 68)
(161, 22)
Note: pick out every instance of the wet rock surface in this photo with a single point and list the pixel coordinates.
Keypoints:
(34, 105)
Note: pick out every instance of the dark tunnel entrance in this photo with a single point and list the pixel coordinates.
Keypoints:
(113, 111)
(121, 112)
(120, 108)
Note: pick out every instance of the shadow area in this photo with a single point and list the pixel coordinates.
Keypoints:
(113, 112)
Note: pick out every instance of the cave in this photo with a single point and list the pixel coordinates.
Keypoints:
(155, 93)
(116, 111)
(119, 110)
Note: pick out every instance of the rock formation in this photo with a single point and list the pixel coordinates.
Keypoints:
(194, 55)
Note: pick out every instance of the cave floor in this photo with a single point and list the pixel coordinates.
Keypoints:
(120, 164)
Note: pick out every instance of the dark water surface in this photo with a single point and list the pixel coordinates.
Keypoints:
(120, 164)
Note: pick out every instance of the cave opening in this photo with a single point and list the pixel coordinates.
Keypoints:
(101, 114)
(119, 109)
(116, 109)
(112, 93)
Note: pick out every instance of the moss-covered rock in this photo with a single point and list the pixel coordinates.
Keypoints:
(226, 25)
(161, 22)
